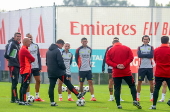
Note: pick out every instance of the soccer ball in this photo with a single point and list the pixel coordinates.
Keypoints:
(63, 89)
(77, 88)
(30, 98)
(80, 102)
(86, 88)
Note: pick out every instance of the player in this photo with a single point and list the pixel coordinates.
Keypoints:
(145, 53)
(162, 72)
(110, 74)
(36, 67)
(67, 57)
(83, 60)
(56, 70)
(11, 54)
(120, 57)
(25, 60)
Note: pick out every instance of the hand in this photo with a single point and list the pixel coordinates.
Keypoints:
(40, 71)
(120, 66)
(7, 59)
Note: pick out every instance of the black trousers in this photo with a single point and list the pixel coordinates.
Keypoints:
(25, 81)
(14, 74)
(117, 87)
(158, 84)
(65, 81)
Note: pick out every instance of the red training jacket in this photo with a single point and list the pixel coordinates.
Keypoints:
(162, 60)
(119, 54)
(25, 60)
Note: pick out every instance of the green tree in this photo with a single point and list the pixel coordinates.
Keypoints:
(75, 2)
(168, 5)
(157, 4)
(112, 2)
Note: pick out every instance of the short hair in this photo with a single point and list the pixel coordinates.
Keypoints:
(15, 34)
(60, 41)
(145, 36)
(164, 39)
(28, 35)
(83, 39)
(116, 39)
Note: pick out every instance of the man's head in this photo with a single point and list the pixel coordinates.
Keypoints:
(67, 46)
(26, 42)
(17, 36)
(145, 39)
(115, 40)
(60, 43)
(164, 39)
(29, 36)
(84, 41)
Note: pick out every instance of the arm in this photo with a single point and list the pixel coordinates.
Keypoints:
(71, 59)
(77, 55)
(151, 53)
(109, 61)
(29, 56)
(9, 48)
(155, 56)
(39, 58)
(130, 58)
(104, 61)
(60, 60)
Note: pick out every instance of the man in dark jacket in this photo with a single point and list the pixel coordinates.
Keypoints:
(57, 70)
(11, 54)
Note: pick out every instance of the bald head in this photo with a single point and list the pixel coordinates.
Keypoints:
(26, 42)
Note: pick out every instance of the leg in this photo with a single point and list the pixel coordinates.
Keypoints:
(158, 83)
(69, 92)
(51, 88)
(37, 83)
(14, 73)
(60, 89)
(131, 83)
(117, 86)
(150, 78)
(25, 84)
(164, 88)
(110, 84)
(82, 75)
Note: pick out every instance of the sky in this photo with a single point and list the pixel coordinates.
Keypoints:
(10, 5)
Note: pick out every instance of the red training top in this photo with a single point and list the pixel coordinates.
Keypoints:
(162, 60)
(25, 60)
(119, 54)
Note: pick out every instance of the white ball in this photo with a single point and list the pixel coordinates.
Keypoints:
(63, 89)
(77, 88)
(86, 88)
(80, 102)
(30, 98)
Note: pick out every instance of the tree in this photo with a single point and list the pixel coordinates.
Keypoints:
(75, 2)
(157, 4)
(111, 2)
(2, 10)
(168, 5)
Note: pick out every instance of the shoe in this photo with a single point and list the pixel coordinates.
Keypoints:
(70, 99)
(119, 107)
(39, 99)
(122, 99)
(60, 99)
(93, 99)
(168, 102)
(137, 99)
(111, 99)
(151, 100)
(153, 107)
(161, 100)
(80, 95)
(137, 104)
(16, 101)
(55, 104)
(24, 103)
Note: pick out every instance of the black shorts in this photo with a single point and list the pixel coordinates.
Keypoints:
(35, 72)
(142, 72)
(85, 74)
(109, 70)
(68, 76)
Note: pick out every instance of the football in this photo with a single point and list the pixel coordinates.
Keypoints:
(63, 89)
(86, 89)
(80, 102)
(30, 98)
(77, 88)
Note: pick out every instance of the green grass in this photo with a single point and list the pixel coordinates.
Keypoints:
(101, 105)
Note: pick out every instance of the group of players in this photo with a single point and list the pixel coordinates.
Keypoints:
(26, 61)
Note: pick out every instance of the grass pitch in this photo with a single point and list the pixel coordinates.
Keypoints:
(101, 105)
